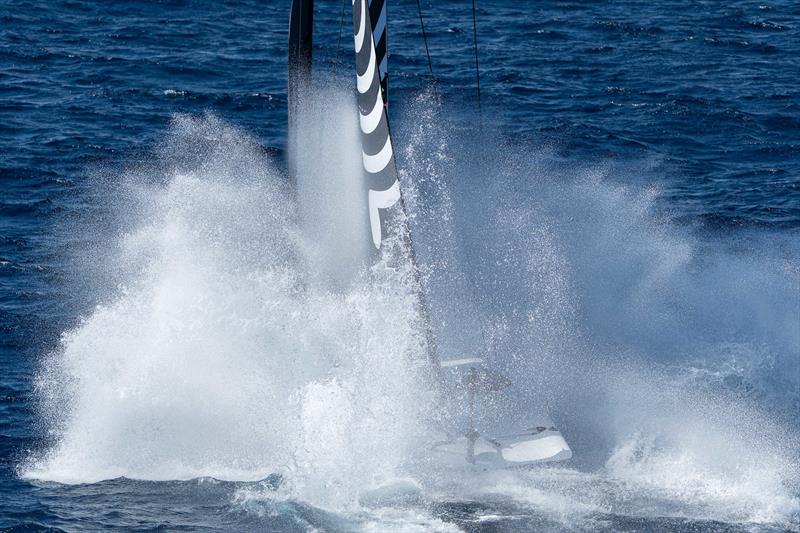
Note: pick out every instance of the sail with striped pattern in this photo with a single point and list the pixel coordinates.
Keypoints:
(383, 193)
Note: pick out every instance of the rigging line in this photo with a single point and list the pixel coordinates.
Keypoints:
(477, 65)
(339, 39)
(425, 40)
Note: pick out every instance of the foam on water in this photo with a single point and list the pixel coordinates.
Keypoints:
(246, 337)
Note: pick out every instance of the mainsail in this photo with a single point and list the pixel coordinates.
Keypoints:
(376, 142)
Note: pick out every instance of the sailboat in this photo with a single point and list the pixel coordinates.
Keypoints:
(473, 443)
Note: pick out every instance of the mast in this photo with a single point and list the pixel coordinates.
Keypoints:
(301, 30)
(385, 203)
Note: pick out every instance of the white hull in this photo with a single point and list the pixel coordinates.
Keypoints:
(520, 449)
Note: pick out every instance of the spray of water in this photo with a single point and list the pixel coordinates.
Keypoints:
(227, 352)
(668, 358)
(246, 335)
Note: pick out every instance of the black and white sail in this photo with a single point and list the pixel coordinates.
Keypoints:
(383, 187)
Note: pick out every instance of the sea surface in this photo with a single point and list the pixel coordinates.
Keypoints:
(186, 341)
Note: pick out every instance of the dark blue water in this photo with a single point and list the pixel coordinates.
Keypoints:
(689, 113)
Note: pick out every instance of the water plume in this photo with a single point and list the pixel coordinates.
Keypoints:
(228, 352)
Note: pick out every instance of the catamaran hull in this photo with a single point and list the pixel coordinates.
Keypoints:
(518, 450)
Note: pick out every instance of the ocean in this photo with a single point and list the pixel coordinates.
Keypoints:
(188, 340)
